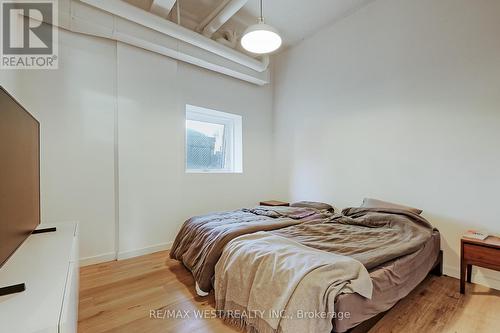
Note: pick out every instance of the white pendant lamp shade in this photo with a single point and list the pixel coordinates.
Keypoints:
(261, 38)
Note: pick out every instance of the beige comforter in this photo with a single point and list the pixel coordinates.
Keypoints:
(372, 236)
(266, 283)
(305, 266)
(201, 239)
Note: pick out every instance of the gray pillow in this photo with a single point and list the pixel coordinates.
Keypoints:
(374, 203)
(313, 204)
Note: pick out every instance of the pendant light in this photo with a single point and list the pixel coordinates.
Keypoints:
(261, 38)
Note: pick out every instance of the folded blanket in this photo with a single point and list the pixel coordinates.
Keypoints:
(266, 283)
(201, 239)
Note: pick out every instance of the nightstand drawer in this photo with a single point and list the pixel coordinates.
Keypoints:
(482, 254)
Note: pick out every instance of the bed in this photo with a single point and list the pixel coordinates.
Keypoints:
(370, 258)
(201, 240)
(392, 281)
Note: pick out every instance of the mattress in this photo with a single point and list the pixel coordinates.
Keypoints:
(392, 281)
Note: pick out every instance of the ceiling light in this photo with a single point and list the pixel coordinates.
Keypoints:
(261, 38)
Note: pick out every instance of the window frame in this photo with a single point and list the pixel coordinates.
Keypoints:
(233, 140)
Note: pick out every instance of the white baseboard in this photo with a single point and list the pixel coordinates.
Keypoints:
(97, 259)
(124, 254)
(482, 278)
(145, 250)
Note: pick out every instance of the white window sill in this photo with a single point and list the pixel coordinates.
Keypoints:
(214, 171)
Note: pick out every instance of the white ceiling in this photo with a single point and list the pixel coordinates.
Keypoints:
(295, 19)
(298, 19)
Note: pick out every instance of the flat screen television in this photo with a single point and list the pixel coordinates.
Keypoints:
(19, 175)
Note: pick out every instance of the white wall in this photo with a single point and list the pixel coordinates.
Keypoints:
(75, 106)
(156, 195)
(112, 120)
(150, 136)
(400, 101)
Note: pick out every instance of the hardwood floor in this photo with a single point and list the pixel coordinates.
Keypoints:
(119, 297)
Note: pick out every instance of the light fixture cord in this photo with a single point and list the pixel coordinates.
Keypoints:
(178, 3)
(261, 12)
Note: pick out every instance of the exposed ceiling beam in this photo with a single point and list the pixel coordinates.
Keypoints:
(220, 15)
(162, 7)
(223, 16)
(123, 22)
(211, 16)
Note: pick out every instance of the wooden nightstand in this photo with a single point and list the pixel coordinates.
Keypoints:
(483, 253)
(274, 203)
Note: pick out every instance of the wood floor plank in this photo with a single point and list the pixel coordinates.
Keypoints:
(119, 297)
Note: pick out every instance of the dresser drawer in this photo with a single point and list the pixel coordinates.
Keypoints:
(482, 255)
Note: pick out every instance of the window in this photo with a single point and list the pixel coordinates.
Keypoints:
(213, 141)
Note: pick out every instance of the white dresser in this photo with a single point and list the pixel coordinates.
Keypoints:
(48, 264)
